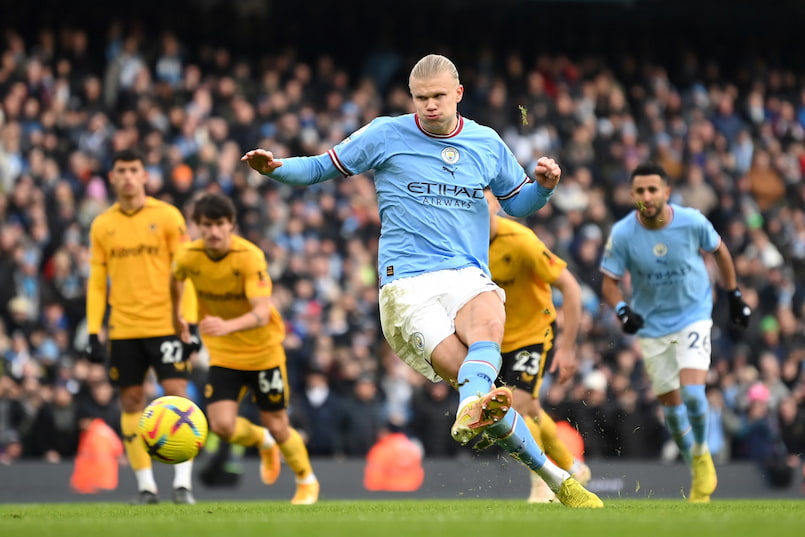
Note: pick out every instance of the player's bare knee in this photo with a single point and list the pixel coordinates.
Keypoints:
(223, 428)
(132, 399)
(492, 329)
(175, 387)
(277, 424)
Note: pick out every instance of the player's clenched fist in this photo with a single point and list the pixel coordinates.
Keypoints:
(740, 312)
(261, 161)
(547, 172)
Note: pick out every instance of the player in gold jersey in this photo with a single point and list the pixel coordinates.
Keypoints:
(243, 333)
(526, 269)
(132, 245)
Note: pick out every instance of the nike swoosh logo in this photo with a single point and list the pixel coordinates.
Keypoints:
(153, 432)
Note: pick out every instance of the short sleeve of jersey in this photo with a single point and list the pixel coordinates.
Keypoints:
(708, 236)
(364, 149)
(547, 266)
(613, 262)
(176, 233)
(255, 275)
(178, 269)
(511, 174)
(97, 254)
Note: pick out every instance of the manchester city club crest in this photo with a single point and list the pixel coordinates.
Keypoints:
(660, 250)
(450, 155)
(418, 341)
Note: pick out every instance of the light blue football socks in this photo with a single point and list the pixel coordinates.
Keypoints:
(480, 369)
(676, 418)
(695, 401)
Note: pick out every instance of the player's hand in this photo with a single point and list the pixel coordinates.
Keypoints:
(95, 351)
(182, 329)
(213, 326)
(631, 321)
(740, 312)
(565, 364)
(193, 344)
(261, 161)
(547, 172)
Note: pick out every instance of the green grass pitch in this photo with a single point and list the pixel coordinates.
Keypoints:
(414, 518)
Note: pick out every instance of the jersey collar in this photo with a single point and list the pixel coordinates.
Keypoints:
(454, 132)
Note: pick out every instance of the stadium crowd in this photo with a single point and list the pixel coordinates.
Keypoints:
(732, 143)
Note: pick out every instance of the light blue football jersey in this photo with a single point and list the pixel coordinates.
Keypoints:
(670, 284)
(429, 188)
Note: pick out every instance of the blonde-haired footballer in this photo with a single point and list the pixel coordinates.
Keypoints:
(440, 311)
(526, 269)
(243, 333)
(132, 244)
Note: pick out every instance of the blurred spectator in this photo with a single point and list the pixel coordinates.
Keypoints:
(769, 368)
(12, 416)
(697, 193)
(592, 415)
(96, 398)
(362, 418)
(639, 433)
(792, 426)
(315, 412)
(792, 430)
(54, 433)
(434, 409)
(756, 438)
(764, 182)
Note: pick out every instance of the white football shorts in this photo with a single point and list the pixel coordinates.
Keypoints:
(665, 356)
(419, 312)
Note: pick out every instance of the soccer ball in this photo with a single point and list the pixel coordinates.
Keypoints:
(173, 429)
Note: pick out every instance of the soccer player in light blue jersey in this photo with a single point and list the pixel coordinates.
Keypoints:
(440, 310)
(661, 245)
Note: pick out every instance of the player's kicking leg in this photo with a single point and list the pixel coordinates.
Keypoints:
(512, 434)
(477, 413)
(544, 430)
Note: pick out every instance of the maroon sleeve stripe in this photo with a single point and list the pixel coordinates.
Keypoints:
(338, 164)
(516, 189)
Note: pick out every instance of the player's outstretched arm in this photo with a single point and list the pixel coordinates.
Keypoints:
(261, 161)
(298, 171)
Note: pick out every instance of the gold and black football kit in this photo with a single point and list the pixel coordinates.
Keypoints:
(525, 268)
(130, 263)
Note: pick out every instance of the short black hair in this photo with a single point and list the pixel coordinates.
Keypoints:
(649, 168)
(213, 206)
(127, 155)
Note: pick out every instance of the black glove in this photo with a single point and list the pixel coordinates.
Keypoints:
(189, 348)
(631, 321)
(95, 351)
(739, 311)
